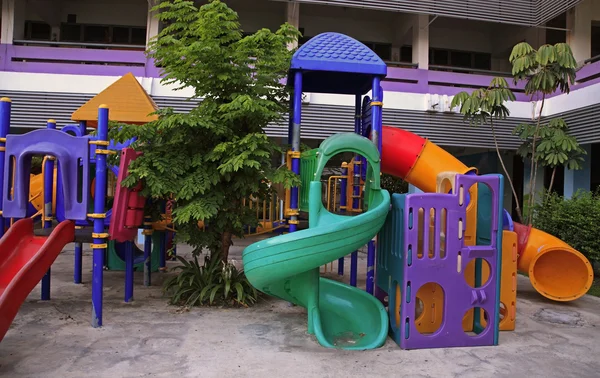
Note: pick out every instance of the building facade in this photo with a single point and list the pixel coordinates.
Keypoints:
(56, 54)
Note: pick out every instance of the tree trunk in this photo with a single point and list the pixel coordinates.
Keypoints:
(533, 174)
(551, 182)
(226, 243)
(512, 187)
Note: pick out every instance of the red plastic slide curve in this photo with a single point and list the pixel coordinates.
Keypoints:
(24, 259)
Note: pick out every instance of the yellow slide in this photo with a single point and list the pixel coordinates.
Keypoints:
(555, 269)
(36, 189)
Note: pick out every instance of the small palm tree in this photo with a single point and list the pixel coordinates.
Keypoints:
(485, 105)
(546, 70)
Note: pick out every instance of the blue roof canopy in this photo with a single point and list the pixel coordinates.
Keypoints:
(336, 63)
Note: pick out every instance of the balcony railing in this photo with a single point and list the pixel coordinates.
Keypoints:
(444, 80)
(116, 60)
(76, 58)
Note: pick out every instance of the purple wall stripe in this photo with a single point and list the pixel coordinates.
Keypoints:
(120, 62)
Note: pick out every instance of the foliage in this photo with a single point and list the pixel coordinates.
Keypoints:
(556, 148)
(483, 106)
(576, 221)
(214, 282)
(546, 70)
(210, 159)
(36, 164)
(393, 184)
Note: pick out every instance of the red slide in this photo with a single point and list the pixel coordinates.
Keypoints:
(24, 259)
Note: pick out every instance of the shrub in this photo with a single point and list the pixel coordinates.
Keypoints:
(393, 184)
(215, 282)
(575, 221)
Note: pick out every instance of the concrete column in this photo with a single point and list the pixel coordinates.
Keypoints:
(581, 179)
(8, 21)
(420, 43)
(292, 16)
(152, 23)
(579, 36)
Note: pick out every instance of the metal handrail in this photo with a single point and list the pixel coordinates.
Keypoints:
(78, 44)
(592, 59)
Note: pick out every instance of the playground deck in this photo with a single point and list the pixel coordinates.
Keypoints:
(150, 338)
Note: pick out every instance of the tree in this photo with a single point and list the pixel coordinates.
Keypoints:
(486, 105)
(546, 70)
(212, 158)
(556, 148)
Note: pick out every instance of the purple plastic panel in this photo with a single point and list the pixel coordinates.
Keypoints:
(447, 271)
(71, 153)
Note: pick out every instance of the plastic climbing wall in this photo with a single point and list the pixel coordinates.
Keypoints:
(413, 255)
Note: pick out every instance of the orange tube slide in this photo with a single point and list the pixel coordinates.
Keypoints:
(556, 270)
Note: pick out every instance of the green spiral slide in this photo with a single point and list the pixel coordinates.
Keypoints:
(287, 266)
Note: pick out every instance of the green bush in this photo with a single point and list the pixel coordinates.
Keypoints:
(393, 184)
(215, 282)
(575, 221)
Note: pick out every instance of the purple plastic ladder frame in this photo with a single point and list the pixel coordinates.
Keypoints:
(71, 153)
(459, 297)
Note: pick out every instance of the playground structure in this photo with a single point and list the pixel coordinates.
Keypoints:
(38, 215)
(441, 265)
(71, 199)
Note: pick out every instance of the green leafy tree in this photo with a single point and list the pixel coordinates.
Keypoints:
(556, 147)
(483, 106)
(546, 70)
(210, 159)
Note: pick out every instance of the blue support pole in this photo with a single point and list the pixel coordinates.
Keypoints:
(5, 106)
(343, 206)
(162, 257)
(128, 271)
(78, 260)
(297, 118)
(370, 267)
(356, 186)
(99, 246)
(48, 188)
(147, 251)
(376, 127)
(162, 263)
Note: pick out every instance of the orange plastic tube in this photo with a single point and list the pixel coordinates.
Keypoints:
(555, 269)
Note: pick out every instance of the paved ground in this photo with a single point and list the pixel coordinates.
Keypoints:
(150, 338)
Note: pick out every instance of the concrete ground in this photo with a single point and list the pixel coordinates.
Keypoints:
(150, 338)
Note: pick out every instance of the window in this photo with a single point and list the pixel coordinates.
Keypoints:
(104, 34)
(406, 54)
(595, 38)
(37, 30)
(460, 59)
(383, 50)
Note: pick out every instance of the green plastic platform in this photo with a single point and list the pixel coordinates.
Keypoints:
(287, 266)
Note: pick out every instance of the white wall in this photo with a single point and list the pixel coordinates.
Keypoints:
(112, 12)
(456, 34)
(361, 24)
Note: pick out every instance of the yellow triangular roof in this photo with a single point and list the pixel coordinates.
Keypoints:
(127, 102)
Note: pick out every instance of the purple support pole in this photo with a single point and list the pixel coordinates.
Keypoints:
(343, 205)
(296, 146)
(5, 105)
(128, 271)
(99, 199)
(48, 181)
(147, 251)
(78, 260)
